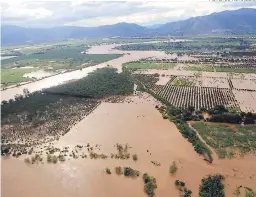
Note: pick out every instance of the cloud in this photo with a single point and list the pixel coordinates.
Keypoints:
(94, 13)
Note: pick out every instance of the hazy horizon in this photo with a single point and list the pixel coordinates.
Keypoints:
(92, 14)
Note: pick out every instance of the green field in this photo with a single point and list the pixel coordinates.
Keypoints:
(183, 82)
(228, 139)
(14, 76)
(149, 65)
(200, 67)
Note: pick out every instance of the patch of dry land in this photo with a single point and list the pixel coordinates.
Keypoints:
(244, 84)
(140, 128)
(215, 82)
(246, 100)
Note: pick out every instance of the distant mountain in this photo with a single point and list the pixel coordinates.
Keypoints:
(242, 20)
(238, 21)
(14, 35)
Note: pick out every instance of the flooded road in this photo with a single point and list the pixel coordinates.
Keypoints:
(151, 137)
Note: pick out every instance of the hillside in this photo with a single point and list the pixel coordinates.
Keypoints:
(238, 21)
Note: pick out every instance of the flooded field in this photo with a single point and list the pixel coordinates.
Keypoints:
(148, 135)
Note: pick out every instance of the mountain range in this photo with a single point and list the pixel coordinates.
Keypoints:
(237, 21)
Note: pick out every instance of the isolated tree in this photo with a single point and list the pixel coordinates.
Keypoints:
(25, 92)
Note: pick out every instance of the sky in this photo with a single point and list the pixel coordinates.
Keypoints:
(95, 13)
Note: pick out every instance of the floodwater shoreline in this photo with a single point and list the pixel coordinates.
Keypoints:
(148, 135)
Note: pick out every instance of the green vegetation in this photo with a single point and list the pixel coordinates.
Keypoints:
(134, 157)
(212, 186)
(27, 116)
(36, 159)
(173, 168)
(147, 80)
(129, 172)
(226, 139)
(237, 191)
(52, 159)
(249, 192)
(122, 152)
(183, 82)
(150, 185)
(179, 183)
(101, 83)
(198, 44)
(119, 170)
(184, 192)
(200, 67)
(179, 117)
(14, 76)
(108, 171)
(50, 58)
(148, 65)
(65, 54)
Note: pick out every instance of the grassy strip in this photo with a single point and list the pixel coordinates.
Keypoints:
(149, 65)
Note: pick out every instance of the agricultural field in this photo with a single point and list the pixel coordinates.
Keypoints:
(220, 68)
(182, 93)
(200, 67)
(186, 81)
(244, 84)
(185, 96)
(199, 88)
(215, 82)
(228, 140)
(149, 65)
(246, 100)
(15, 75)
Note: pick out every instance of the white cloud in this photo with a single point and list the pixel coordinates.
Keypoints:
(94, 13)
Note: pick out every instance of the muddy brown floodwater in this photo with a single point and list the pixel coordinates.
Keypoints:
(151, 137)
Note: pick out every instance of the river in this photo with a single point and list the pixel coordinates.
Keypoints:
(100, 49)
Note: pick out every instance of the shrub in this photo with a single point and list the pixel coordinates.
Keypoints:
(179, 183)
(173, 168)
(135, 157)
(108, 171)
(62, 158)
(131, 172)
(49, 158)
(150, 185)
(212, 186)
(54, 159)
(119, 170)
